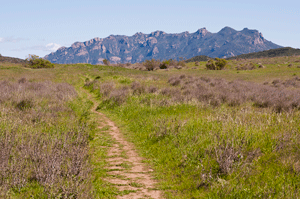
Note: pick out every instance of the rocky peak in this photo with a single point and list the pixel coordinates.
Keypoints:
(138, 34)
(250, 32)
(202, 32)
(77, 45)
(227, 30)
(258, 37)
(157, 33)
(183, 34)
(92, 41)
(96, 39)
(111, 37)
(62, 48)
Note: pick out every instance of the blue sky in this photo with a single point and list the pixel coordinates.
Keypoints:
(40, 27)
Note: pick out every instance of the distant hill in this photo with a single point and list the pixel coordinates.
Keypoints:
(12, 60)
(279, 52)
(160, 45)
(199, 58)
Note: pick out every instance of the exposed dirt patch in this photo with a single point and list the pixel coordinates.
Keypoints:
(126, 170)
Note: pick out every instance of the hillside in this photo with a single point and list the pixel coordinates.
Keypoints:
(12, 60)
(160, 45)
(199, 58)
(279, 52)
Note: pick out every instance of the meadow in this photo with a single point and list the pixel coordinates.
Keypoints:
(230, 133)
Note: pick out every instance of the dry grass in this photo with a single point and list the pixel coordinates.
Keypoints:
(58, 163)
(248, 66)
(220, 91)
(279, 95)
(36, 144)
(119, 95)
(138, 88)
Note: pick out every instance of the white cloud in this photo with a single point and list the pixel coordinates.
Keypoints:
(1, 39)
(52, 47)
(48, 47)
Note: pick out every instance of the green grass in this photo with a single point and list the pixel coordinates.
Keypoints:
(196, 150)
(180, 142)
(137, 185)
(126, 165)
(99, 143)
(187, 144)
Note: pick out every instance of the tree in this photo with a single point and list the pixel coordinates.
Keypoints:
(106, 62)
(35, 61)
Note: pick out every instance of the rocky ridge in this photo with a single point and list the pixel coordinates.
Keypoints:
(160, 45)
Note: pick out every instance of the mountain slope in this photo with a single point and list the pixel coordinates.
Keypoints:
(279, 52)
(12, 60)
(160, 45)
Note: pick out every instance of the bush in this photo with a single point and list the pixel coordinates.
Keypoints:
(181, 63)
(137, 88)
(174, 81)
(173, 62)
(106, 88)
(151, 64)
(217, 64)
(24, 104)
(247, 66)
(211, 65)
(221, 63)
(165, 64)
(35, 61)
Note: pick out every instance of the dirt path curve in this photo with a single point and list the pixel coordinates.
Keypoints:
(126, 170)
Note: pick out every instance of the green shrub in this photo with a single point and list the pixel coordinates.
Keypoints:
(217, 64)
(35, 61)
(165, 64)
(221, 63)
(24, 104)
(211, 65)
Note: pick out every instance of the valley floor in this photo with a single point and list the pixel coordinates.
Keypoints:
(89, 131)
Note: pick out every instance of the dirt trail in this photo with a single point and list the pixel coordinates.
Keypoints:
(126, 170)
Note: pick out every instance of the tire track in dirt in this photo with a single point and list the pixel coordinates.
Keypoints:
(126, 170)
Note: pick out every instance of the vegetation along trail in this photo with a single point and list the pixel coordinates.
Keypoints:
(205, 132)
(125, 169)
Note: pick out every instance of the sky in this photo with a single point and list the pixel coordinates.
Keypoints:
(41, 27)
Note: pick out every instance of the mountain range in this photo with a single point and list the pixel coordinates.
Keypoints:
(160, 45)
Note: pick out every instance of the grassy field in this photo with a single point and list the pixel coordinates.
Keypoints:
(207, 134)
